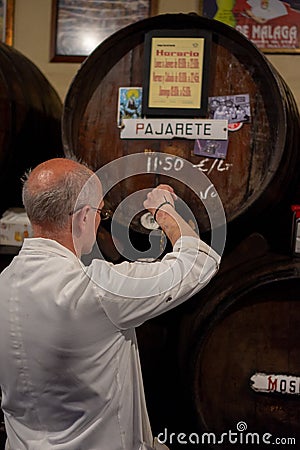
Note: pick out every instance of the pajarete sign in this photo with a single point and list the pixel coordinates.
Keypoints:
(174, 128)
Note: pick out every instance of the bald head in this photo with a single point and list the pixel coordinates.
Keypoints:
(54, 189)
(52, 172)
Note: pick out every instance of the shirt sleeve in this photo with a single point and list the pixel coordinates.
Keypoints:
(131, 293)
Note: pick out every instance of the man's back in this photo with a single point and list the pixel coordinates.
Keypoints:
(71, 378)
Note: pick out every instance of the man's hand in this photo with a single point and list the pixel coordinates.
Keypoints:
(159, 195)
(160, 203)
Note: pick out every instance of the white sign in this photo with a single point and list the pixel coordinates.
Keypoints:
(174, 128)
(282, 384)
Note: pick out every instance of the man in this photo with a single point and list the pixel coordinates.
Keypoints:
(70, 373)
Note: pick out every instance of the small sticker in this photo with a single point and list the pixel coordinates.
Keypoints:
(234, 108)
(129, 104)
(211, 148)
(235, 126)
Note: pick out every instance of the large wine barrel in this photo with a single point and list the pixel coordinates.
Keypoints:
(30, 127)
(262, 158)
(242, 354)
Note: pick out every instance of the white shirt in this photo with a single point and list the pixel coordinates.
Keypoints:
(70, 372)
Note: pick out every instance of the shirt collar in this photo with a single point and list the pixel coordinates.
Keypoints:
(46, 245)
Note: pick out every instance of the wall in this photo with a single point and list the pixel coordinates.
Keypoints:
(32, 38)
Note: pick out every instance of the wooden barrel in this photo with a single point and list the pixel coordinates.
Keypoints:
(242, 353)
(30, 128)
(262, 158)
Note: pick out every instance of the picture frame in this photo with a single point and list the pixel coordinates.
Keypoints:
(7, 21)
(176, 73)
(77, 28)
(272, 25)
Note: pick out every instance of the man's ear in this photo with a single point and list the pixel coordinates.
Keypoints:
(80, 220)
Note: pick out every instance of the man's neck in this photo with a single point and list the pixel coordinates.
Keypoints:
(63, 237)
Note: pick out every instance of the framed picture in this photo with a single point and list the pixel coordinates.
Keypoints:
(176, 73)
(79, 26)
(7, 20)
(272, 25)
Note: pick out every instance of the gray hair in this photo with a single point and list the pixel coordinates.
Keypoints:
(54, 204)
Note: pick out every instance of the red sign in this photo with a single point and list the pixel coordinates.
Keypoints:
(272, 25)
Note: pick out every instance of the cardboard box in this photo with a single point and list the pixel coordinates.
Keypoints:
(14, 227)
